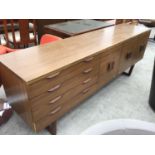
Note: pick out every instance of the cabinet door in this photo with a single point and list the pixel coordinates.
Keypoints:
(109, 65)
(128, 54)
(141, 45)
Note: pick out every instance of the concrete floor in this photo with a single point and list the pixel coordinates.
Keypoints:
(125, 97)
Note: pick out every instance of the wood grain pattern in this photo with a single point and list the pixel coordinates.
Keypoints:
(43, 83)
(60, 76)
(16, 93)
(36, 62)
(42, 123)
(61, 86)
(42, 105)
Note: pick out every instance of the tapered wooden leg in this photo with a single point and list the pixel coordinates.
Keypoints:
(52, 129)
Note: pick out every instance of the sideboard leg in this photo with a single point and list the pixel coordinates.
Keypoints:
(130, 71)
(52, 129)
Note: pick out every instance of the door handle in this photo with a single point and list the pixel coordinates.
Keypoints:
(141, 48)
(110, 66)
(53, 76)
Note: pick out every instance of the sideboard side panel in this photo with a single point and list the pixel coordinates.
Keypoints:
(16, 93)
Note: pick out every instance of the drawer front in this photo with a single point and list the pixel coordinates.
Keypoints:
(44, 104)
(61, 110)
(61, 76)
(128, 54)
(141, 46)
(109, 65)
(61, 87)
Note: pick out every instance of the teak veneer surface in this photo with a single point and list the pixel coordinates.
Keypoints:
(33, 63)
(42, 83)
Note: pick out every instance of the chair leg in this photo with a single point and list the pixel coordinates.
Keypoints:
(52, 129)
(130, 71)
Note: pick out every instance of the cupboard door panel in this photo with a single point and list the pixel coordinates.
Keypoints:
(128, 54)
(141, 46)
(109, 65)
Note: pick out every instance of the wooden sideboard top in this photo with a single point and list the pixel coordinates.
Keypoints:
(33, 63)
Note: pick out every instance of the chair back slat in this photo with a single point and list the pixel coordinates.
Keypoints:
(13, 33)
(6, 31)
(34, 30)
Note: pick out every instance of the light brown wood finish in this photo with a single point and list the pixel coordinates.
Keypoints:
(133, 50)
(16, 93)
(34, 63)
(42, 105)
(109, 64)
(44, 82)
(55, 80)
(141, 45)
(127, 57)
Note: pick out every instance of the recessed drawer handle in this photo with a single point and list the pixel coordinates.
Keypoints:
(55, 100)
(108, 67)
(89, 59)
(52, 76)
(85, 91)
(87, 70)
(54, 88)
(86, 81)
(55, 111)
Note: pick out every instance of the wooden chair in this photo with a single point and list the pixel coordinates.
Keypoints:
(23, 37)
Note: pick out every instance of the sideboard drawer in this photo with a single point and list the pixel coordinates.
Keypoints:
(60, 110)
(43, 83)
(85, 93)
(43, 104)
(87, 66)
(61, 87)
